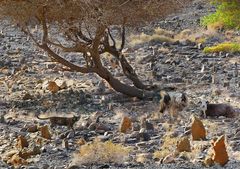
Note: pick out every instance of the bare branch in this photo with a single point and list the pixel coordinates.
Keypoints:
(82, 37)
(77, 33)
(66, 63)
(89, 32)
(27, 32)
(97, 39)
(79, 47)
(110, 35)
(124, 3)
(123, 38)
(44, 27)
(100, 31)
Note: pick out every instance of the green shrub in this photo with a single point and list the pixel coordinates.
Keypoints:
(228, 13)
(223, 47)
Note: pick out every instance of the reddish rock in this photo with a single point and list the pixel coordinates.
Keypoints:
(126, 124)
(53, 87)
(197, 129)
(184, 145)
(220, 155)
(169, 159)
(45, 132)
(21, 142)
(17, 161)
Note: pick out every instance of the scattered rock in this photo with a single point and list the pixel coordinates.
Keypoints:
(16, 161)
(92, 126)
(45, 132)
(103, 138)
(169, 159)
(21, 142)
(103, 127)
(198, 131)
(70, 135)
(208, 161)
(184, 145)
(101, 86)
(73, 166)
(146, 124)
(53, 87)
(81, 141)
(220, 155)
(27, 96)
(61, 83)
(143, 158)
(65, 144)
(32, 128)
(126, 124)
(2, 119)
(136, 127)
(143, 135)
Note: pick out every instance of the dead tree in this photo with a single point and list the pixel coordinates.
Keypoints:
(85, 26)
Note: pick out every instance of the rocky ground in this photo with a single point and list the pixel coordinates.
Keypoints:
(25, 72)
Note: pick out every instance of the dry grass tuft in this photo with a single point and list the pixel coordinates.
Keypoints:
(144, 38)
(237, 39)
(210, 126)
(223, 47)
(163, 50)
(161, 154)
(184, 34)
(101, 152)
(188, 34)
(168, 147)
(163, 32)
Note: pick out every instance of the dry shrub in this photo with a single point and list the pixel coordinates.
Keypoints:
(223, 47)
(163, 32)
(101, 152)
(168, 147)
(163, 50)
(184, 34)
(210, 126)
(187, 34)
(161, 154)
(237, 39)
(144, 38)
(109, 12)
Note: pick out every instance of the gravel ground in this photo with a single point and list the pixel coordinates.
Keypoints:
(23, 94)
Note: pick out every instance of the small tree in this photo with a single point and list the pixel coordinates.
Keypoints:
(85, 27)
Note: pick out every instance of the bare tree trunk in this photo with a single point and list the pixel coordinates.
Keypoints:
(105, 74)
(117, 85)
